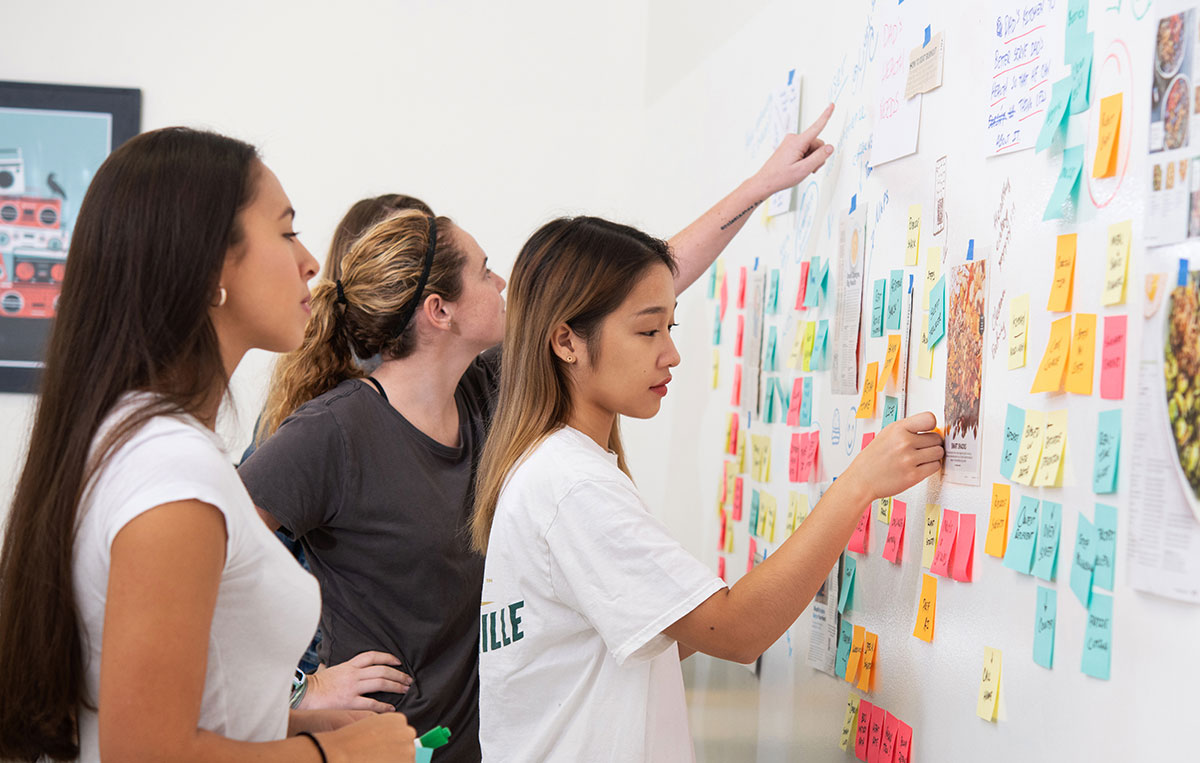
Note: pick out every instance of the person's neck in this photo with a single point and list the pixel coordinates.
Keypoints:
(593, 421)
(421, 387)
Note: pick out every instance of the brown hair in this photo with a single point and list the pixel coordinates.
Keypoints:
(361, 216)
(577, 271)
(379, 277)
(145, 258)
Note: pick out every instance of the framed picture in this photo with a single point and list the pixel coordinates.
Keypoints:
(53, 138)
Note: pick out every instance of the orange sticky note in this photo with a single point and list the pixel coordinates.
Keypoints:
(1053, 369)
(890, 366)
(1064, 274)
(866, 675)
(866, 406)
(1109, 138)
(926, 609)
(856, 650)
(997, 534)
(1081, 361)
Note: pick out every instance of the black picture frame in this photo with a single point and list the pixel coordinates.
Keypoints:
(36, 214)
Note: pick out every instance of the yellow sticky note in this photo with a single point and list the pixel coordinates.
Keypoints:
(912, 241)
(865, 674)
(767, 507)
(1081, 362)
(716, 367)
(1109, 138)
(989, 684)
(1018, 331)
(890, 366)
(797, 510)
(856, 649)
(866, 405)
(793, 359)
(926, 608)
(810, 336)
(933, 521)
(1120, 236)
(1053, 442)
(741, 455)
(730, 481)
(883, 511)
(933, 271)
(760, 457)
(850, 724)
(1030, 450)
(1064, 274)
(997, 534)
(1054, 362)
(729, 533)
(924, 353)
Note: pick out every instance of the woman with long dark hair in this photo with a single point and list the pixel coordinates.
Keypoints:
(145, 611)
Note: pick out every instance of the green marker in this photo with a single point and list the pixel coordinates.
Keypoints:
(434, 738)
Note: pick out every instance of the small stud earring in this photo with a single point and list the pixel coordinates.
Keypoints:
(224, 294)
(570, 358)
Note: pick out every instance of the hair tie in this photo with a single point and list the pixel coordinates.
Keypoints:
(406, 312)
(341, 294)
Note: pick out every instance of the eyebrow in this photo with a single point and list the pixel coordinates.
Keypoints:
(286, 212)
(656, 310)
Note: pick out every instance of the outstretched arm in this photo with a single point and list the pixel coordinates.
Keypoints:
(798, 156)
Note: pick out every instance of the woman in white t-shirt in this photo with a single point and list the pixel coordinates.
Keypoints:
(588, 602)
(146, 612)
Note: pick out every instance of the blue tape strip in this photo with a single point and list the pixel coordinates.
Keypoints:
(853, 203)
(1183, 272)
(926, 37)
(791, 76)
(970, 250)
(755, 263)
(910, 284)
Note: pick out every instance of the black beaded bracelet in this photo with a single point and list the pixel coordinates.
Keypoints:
(320, 749)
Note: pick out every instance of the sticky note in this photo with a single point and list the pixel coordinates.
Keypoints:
(1056, 113)
(933, 269)
(894, 300)
(863, 731)
(858, 541)
(937, 312)
(1045, 558)
(1109, 137)
(890, 364)
(771, 507)
(1097, 637)
(821, 346)
(1081, 360)
(1049, 471)
(760, 457)
(738, 488)
(848, 725)
(741, 292)
(866, 405)
(1112, 358)
(809, 445)
(1018, 331)
(1063, 283)
(1084, 561)
(989, 684)
(812, 289)
(887, 750)
(1080, 59)
(1044, 621)
(736, 396)
(856, 649)
(769, 362)
(797, 510)
(1053, 369)
(876, 740)
(753, 550)
(912, 241)
(845, 641)
(1077, 18)
(1108, 452)
(739, 335)
(1116, 263)
(1022, 539)
(806, 403)
(846, 592)
(1106, 546)
(716, 338)
(877, 305)
(866, 672)
(963, 564)
(997, 534)
(823, 278)
(1030, 451)
(894, 546)
(802, 289)
(753, 524)
(1068, 183)
(926, 609)
(793, 414)
(1014, 425)
(891, 410)
(810, 330)
(723, 300)
(716, 368)
(933, 520)
(773, 292)
(924, 353)
(904, 736)
(885, 510)
(943, 554)
(728, 534)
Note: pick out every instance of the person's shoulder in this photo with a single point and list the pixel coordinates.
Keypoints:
(330, 409)
(565, 459)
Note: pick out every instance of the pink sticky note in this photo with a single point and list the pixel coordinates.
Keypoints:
(875, 743)
(888, 750)
(808, 445)
(721, 567)
(741, 297)
(867, 438)
(736, 397)
(964, 549)
(815, 447)
(733, 434)
(724, 293)
(1112, 358)
(903, 742)
(895, 537)
(794, 459)
(737, 337)
(858, 541)
(737, 499)
(793, 417)
(721, 531)
(862, 738)
(803, 286)
(750, 557)
(943, 554)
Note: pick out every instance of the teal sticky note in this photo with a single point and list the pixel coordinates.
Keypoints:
(753, 512)
(1045, 558)
(768, 413)
(845, 643)
(712, 280)
(1056, 113)
(877, 307)
(769, 363)
(1082, 564)
(937, 312)
(1097, 637)
(895, 295)
(785, 397)
(846, 593)
(1022, 536)
(773, 292)
(806, 403)
(812, 287)
(1077, 18)
(823, 281)
(1106, 547)
(821, 347)
(1067, 186)
(1108, 452)
(1044, 621)
(1081, 74)
(891, 409)
(717, 328)
(1014, 424)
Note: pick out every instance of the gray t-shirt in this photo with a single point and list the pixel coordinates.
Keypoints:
(383, 512)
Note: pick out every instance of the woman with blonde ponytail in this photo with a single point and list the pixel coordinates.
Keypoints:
(376, 472)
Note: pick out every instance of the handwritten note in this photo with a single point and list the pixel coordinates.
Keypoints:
(1018, 331)
(1063, 283)
(894, 546)
(1097, 637)
(1112, 358)
(944, 553)
(1082, 358)
(963, 565)
(802, 289)
(1079, 55)
(820, 354)
(1056, 113)
(1116, 263)
(1105, 163)
(891, 410)
(856, 649)
(1067, 186)
(738, 337)
(997, 534)
(1106, 546)
(925, 66)
(846, 591)
(937, 312)
(897, 119)
(912, 240)
(797, 510)
(806, 403)
(926, 609)
(1030, 450)
(887, 752)
(1084, 562)
(876, 739)
(810, 330)
(850, 722)
(904, 734)
(890, 366)
(933, 520)
(858, 541)
(1044, 621)
(895, 300)
(866, 674)
(1014, 425)
(863, 732)
(1023, 538)
(736, 397)
(1108, 452)
(1045, 561)
(877, 306)
(812, 287)
(924, 353)
(933, 270)
(845, 642)
(760, 457)
(989, 684)
(866, 406)
(773, 292)
(1053, 369)
(1049, 472)
(1023, 49)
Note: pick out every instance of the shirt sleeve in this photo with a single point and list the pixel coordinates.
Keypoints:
(297, 474)
(621, 569)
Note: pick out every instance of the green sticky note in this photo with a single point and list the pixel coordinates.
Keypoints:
(1106, 547)
(812, 288)
(712, 280)
(1108, 452)
(1077, 18)
(1056, 113)
(772, 340)
(1081, 74)
(1044, 621)
(845, 642)
(784, 395)
(717, 328)
(753, 523)
(806, 403)
(846, 594)
(877, 307)
(937, 312)
(1097, 637)
(1068, 183)
(895, 295)
(821, 347)
(1083, 563)
(1045, 560)
(823, 280)
(773, 291)
(891, 409)
(768, 414)
(1014, 424)
(1022, 537)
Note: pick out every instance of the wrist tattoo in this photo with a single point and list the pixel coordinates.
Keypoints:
(740, 215)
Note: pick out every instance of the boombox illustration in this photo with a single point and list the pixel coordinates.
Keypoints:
(33, 244)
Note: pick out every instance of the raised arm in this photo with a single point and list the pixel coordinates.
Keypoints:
(739, 623)
(797, 157)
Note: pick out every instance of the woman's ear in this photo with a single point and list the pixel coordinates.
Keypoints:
(565, 343)
(438, 311)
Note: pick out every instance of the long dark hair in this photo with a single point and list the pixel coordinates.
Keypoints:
(144, 264)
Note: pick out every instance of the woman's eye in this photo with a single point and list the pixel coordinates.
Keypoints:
(291, 234)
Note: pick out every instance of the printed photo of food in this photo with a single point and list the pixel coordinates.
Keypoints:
(1171, 96)
(1181, 367)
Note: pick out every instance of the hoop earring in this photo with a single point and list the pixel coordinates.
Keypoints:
(224, 294)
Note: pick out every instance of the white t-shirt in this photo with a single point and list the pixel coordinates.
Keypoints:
(579, 582)
(267, 605)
